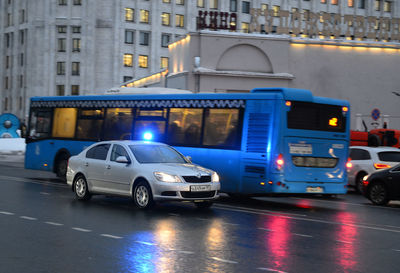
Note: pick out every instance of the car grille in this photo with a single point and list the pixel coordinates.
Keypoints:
(195, 179)
(202, 194)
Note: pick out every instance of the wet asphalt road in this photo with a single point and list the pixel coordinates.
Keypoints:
(44, 229)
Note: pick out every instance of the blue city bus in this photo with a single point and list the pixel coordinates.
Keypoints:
(268, 141)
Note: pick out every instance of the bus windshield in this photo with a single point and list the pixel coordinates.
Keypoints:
(317, 117)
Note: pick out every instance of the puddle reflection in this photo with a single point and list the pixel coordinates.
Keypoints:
(347, 236)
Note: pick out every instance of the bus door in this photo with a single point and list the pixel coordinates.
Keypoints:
(150, 124)
(314, 160)
(258, 135)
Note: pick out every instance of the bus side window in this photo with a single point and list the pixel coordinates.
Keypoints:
(184, 126)
(40, 123)
(64, 122)
(90, 122)
(221, 128)
(118, 123)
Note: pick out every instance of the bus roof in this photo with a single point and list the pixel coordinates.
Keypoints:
(257, 93)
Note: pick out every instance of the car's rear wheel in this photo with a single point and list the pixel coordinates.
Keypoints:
(359, 182)
(142, 195)
(81, 188)
(204, 204)
(378, 194)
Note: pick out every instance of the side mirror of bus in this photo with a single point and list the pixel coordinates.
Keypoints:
(123, 159)
(189, 158)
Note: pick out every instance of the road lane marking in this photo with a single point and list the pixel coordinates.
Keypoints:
(231, 224)
(81, 229)
(257, 211)
(265, 229)
(173, 214)
(6, 213)
(270, 270)
(111, 236)
(398, 250)
(302, 235)
(28, 218)
(223, 260)
(54, 223)
(344, 242)
(145, 243)
(44, 193)
(201, 219)
(186, 252)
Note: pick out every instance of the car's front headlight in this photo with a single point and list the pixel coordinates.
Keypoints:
(215, 177)
(165, 177)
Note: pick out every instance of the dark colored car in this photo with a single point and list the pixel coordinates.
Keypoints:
(382, 186)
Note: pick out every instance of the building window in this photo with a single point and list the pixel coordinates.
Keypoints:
(165, 18)
(143, 61)
(180, 2)
(127, 78)
(129, 36)
(246, 7)
(264, 7)
(179, 20)
(387, 6)
(9, 19)
(62, 2)
(323, 1)
(7, 62)
(60, 68)
(200, 3)
(166, 1)
(74, 90)
(276, 10)
(21, 59)
(6, 83)
(144, 38)
(334, 2)
(129, 14)
(21, 81)
(306, 14)
(61, 44)
(233, 5)
(350, 3)
(213, 4)
(144, 16)
(361, 4)
(76, 45)
(60, 90)
(77, 2)
(21, 36)
(21, 16)
(75, 68)
(128, 60)
(165, 39)
(76, 29)
(245, 27)
(164, 62)
(377, 5)
(62, 29)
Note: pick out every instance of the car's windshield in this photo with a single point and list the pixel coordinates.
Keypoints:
(389, 156)
(156, 154)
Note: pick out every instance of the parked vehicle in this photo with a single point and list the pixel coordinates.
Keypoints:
(383, 186)
(375, 138)
(146, 171)
(365, 160)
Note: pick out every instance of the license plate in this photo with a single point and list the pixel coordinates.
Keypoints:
(315, 189)
(200, 188)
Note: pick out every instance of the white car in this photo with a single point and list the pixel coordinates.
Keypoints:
(365, 160)
(146, 171)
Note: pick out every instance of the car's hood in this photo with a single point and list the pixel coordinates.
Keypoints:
(178, 169)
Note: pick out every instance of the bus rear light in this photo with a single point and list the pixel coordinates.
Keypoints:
(270, 182)
(381, 166)
(279, 162)
(278, 183)
(288, 103)
(262, 183)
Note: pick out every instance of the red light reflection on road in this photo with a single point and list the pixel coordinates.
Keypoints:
(278, 239)
(346, 236)
(304, 203)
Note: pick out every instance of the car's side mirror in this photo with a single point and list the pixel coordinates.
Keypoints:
(189, 158)
(123, 159)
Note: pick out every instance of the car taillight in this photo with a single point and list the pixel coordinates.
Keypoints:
(349, 165)
(279, 162)
(381, 166)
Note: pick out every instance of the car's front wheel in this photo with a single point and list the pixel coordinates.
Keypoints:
(378, 194)
(142, 195)
(81, 188)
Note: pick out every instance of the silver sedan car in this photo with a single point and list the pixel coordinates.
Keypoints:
(146, 171)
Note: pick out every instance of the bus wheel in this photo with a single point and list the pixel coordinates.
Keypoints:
(204, 204)
(61, 166)
(142, 195)
(81, 188)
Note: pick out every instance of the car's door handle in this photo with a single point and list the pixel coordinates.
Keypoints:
(86, 164)
(108, 167)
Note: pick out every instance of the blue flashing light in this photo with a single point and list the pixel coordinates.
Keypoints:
(148, 136)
